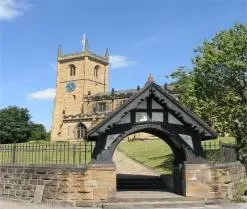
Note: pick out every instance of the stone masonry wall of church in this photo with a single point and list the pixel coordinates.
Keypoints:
(71, 103)
(76, 103)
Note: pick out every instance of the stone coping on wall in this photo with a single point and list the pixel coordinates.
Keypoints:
(65, 166)
(212, 165)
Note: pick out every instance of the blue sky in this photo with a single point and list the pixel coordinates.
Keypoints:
(152, 36)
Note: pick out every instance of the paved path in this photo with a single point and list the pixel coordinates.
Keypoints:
(126, 165)
(11, 204)
(16, 204)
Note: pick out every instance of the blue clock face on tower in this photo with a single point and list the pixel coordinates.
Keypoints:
(70, 86)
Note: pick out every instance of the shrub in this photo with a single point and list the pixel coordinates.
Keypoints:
(239, 191)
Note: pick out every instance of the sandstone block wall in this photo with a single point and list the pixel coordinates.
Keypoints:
(215, 181)
(71, 103)
(88, 185)
(79, 186)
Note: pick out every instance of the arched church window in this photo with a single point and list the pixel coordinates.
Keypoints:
(72, 70)
(101, 107)
(96, 70)
(81, 131)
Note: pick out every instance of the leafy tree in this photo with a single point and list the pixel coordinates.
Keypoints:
(48, 136)
(216, 88)
(14, 125)
(38, 132)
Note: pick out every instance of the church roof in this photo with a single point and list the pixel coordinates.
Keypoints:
(108, 95)
(127, 93)
(151, 88)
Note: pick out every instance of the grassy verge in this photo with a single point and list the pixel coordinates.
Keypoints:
(239, 191)
(226, 140)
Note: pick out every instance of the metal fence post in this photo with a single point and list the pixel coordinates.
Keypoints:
(85, 150)
(91, 151)
(74, 152)
(221, 152)
(14, 153)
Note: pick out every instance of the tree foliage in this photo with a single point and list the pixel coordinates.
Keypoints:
(216, 87)
(37, 132)
(16, 127)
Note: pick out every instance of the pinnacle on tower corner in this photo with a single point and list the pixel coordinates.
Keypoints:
(59, 51)
(107, 53)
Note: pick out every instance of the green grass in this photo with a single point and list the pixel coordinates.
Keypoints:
(226, 140)
(157, 155)
(212, 148)
(152, 153)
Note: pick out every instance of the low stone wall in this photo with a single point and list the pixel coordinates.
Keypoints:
(89, 185)
(79, 186)
(213, 181)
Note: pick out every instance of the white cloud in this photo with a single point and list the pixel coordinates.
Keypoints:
(42, 95)
(118, 61)
(10, 9)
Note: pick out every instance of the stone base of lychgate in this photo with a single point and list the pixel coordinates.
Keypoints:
(213, 181)
(72, 185)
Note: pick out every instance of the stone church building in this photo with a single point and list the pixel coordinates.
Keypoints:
(82, 95)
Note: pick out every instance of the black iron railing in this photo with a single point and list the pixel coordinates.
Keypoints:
(46, 153)
(219, 152)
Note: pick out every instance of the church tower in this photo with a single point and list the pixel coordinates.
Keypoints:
(78, 74)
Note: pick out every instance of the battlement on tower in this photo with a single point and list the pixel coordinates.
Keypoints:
(82, 55)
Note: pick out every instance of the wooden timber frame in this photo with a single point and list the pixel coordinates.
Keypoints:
(155, 111)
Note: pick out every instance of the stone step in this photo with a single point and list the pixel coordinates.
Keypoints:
(154, 204)
(119, 176)
(139, 188)
(175, 198)
(141, 183)
(138, 181)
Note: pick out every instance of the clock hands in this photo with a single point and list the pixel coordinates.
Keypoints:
(70, 86)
